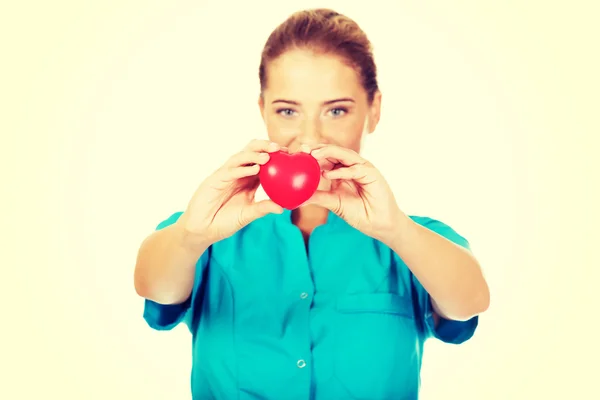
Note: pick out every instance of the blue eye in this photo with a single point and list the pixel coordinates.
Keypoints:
(338, 112)
(286, 112)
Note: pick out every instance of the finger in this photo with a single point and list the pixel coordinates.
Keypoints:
(258, 210)
(357, 172)
(326, 165)
(258, 145)
(309, 148)
(327, 199)
(305, 148)
(233, 174)
(246, 158)
(337, 155)
(319, 146)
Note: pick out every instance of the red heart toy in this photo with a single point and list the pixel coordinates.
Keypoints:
(290, 179)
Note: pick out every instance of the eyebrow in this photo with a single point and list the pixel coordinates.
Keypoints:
(324, 103)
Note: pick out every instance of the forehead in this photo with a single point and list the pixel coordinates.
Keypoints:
(301, 73)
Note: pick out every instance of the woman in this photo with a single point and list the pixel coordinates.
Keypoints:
(334, 299)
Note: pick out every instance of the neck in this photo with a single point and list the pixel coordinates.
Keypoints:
(309, 217)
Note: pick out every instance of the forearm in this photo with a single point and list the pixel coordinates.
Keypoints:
(448, 272)
(166, 264)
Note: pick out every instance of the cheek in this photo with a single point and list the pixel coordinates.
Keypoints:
(345, 133)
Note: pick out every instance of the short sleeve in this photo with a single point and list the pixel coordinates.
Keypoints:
(164, 317)
(448, 331)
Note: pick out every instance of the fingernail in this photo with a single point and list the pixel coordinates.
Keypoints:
(273, 146)
(305, 148)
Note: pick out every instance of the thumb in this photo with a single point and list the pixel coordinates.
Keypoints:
(258, 210)
(327, 199)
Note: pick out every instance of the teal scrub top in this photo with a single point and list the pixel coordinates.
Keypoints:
(343, 318)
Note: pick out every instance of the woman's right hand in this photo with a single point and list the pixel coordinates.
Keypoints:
(224, 203)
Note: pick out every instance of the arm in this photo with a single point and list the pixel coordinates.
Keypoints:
(166, 263)
(447, 271)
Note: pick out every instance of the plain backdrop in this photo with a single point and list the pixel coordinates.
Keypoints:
(113, 112)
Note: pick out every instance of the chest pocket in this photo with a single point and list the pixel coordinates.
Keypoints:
(376, 346)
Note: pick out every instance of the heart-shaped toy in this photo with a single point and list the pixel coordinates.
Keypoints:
(290, 179)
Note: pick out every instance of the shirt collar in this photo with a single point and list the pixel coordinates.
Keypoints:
(333, 220)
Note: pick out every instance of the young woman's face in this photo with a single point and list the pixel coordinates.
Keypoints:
(316, 99)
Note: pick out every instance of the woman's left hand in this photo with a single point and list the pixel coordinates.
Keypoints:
(359, 194)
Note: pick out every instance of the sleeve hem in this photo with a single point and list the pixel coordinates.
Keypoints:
(449, 331)
(164, 317)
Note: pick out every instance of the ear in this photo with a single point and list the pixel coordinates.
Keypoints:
(374, 112)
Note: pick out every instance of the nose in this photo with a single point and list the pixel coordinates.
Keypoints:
(310, 132)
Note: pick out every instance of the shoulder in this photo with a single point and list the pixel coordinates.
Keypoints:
(441, 229)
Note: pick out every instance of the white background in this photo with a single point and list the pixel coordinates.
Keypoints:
(115, 111)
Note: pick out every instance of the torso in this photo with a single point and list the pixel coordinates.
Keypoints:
(320, 312)
(331, 319)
